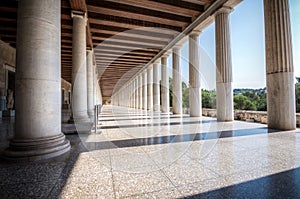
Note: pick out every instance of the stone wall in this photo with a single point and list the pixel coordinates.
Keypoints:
(66, 107)
(249, 116)
(7, 58)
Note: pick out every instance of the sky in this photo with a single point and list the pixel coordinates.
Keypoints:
(247, 47)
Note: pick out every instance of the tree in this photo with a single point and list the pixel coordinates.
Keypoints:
(208, 99)
(242, 102)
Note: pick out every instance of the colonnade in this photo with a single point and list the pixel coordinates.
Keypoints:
(38, 80)
(38, 84)
(279, 66)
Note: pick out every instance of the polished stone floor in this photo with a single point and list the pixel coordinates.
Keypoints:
(134, 154)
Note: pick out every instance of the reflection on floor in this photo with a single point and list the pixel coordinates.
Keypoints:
(135, 154)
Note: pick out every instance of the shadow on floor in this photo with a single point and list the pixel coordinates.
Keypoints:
(176, 138)
(281, 185)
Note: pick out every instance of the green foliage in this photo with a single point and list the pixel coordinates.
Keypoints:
(242, 102)
(208, 99)
(185, 97)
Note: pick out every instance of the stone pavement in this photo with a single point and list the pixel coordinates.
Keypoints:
(135, 154)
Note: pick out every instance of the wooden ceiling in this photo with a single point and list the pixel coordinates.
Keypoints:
(125, 34)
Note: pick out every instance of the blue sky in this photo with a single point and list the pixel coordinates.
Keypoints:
(247, 45)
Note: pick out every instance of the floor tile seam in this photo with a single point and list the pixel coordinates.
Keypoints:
(112, 176)
(173, 184)
(193, 183)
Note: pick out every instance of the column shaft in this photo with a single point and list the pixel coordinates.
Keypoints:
(145, 90)
(165, 101)
(224, 90)
(194, 76)
(177, 82)
(38, 83)
(140, 91)
(90, 83)
(156, 93)
(279, 65)
(149, 88)
(79, 75)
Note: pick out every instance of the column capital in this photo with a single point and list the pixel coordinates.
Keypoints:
(195, 32)
(157, 61)
(224, 9)
(79, 14)
(76, 13)
(178, 46)
(167, 54)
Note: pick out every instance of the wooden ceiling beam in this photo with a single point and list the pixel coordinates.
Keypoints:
(181, 4)
(161, 7)
(137, 10)
(128, 45)
(99, 40)
(133, 24)
(97, 28)
(140, 17)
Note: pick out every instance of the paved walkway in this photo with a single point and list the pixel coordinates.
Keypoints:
(135, 155)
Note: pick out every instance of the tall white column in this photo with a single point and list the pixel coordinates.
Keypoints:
(279, 66)
(165, 101)
(156, 93)
(90, 81)
(224, 90)
(38, 84)
(145, 90)
(177, 82)
(136, 93)
(149, 88)
(140, 91)
(79, 75)
(194, 75)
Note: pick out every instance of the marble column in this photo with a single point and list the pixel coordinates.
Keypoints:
(224, 90)
(38, 84)
(150, 88)
(145, 90)
(90, 87)
(165, 101)
(79, 69)
(140, 91)
(156, 91)
(136, 93)
(194, 75)
(177, 81)
(279, 66)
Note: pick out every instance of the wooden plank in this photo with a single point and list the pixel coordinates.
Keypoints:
(136, 16)
(161, 7)
(120, 37)
(141, 31)
(137, 10)
(128, 45)
(182, 4)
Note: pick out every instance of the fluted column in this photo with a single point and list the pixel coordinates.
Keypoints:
(279, 65)
(136, 93)
(145, 90)
(149, 88)
(177, 82)
(156, 93)
(38, 84)
(79, 71)
(224, 90)
(165, 102)
(140, 91)
(194, 75)
(90, 81)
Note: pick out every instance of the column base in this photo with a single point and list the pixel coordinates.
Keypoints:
(37, 149)
(281, 101)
